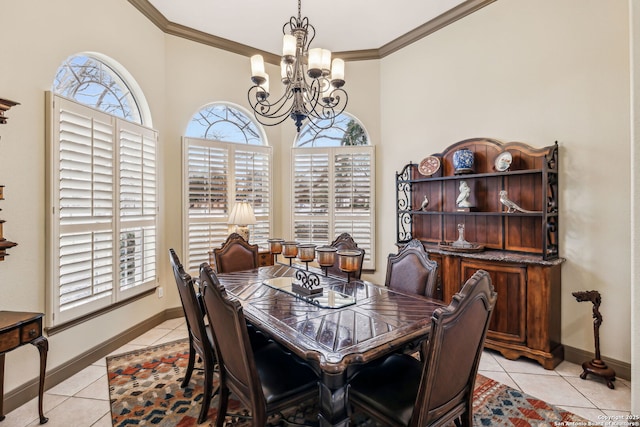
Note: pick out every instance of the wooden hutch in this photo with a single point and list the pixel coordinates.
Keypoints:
(5, 244)
(519, 249)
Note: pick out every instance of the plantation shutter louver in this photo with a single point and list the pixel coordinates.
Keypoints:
(333, 193)
(217, 174)
(86, 149)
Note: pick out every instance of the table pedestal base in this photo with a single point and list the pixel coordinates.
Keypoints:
(333, 401)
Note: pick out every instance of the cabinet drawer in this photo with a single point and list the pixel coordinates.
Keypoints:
(9, 340)
(265, 259)
(29, 332)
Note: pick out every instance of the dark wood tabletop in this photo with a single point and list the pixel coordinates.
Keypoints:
(334, 341)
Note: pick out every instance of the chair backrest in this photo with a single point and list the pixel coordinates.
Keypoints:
(411, 270)
(232, 343)
(192, 309)
(235, 254)
(452, 353)
(345, 241)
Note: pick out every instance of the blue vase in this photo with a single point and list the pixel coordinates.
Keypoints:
(463, 161)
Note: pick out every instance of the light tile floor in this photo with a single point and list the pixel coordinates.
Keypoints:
(83, 399)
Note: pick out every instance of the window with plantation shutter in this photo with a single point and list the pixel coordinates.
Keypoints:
(225, 159)
(102, 196)
(333, 185)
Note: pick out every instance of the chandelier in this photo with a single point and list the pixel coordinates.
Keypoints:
(313, 83)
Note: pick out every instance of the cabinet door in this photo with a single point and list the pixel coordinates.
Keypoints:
(508, 322)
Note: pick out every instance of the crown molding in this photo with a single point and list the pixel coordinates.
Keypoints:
(458, 12)
(178, 30)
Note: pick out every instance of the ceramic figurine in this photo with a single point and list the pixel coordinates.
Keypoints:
(511, 205)
(425, 203)
(463, 197)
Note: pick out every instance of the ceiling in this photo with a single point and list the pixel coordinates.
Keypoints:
(349, 26)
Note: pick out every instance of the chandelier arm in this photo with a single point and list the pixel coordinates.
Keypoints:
(268, 111)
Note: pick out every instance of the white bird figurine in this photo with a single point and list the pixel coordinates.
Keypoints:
(425, 203)
(510, 204)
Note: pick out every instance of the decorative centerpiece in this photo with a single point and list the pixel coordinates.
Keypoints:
(463, 161)
(306, 253)
(348, 262)
(275, 247)
(306, 283)
(290, 250)
(326, 257)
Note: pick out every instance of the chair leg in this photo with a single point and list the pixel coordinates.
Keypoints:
(466, 419)
(208, 392)
(189, 371)
(222, 405)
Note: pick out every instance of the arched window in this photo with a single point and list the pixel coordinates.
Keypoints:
(346, 131)
(95, 84)
(222, 122)
(226, 160)
(103, 212)
(333, 185)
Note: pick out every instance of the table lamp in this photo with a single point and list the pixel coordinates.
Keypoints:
(242, 216)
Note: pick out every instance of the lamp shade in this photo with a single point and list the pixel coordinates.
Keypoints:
(242, 214)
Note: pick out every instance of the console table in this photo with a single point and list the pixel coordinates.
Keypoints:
(18, 328)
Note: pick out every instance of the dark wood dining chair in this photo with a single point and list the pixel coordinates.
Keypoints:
(235, 254)
(402, 391)
(200, 335)
(265, 380)
(344, 242)
(411, 270)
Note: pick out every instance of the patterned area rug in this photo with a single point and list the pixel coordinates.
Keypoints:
(144, 389)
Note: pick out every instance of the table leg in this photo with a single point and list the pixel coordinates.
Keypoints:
(2, 417)
(43, 346)
(333, 400)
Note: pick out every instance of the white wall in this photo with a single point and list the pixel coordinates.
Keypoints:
(535, 72)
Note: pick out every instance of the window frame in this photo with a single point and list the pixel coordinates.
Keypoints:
(332, 217)
(217, 222)
(119, 293)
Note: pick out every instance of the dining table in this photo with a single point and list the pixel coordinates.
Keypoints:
(334, 324)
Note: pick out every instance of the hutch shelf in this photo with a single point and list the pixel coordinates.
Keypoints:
(518, 248)
(5, 105)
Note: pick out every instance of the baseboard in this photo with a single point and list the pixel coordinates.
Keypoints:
(24, 393)
(577, 356)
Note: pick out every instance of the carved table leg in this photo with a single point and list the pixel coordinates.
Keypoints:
(2, 417)
(43, 347)
(333, 400)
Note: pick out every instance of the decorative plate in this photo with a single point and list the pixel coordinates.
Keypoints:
(503, 161)
(429, 165)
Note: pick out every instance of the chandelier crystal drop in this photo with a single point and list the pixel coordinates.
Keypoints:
(313, 82)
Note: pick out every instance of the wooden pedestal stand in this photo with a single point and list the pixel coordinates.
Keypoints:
(596, 366)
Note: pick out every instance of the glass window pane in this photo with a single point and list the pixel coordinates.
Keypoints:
(94, 84)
